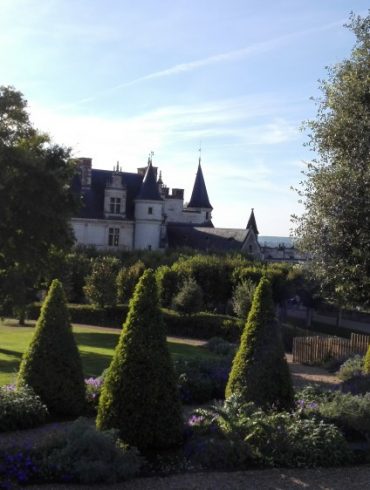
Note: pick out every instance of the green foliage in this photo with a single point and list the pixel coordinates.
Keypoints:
(139, 396)
(266, 438)
(334, 228)
(213, 274)
(260, 372)
(190, 297)
(109, 316)
(367, 361)
(168, 283)
(353, 366)
(36, 202)
(200, 380)
(52, 365)
(20, 409)
(89, 456)
(100, 286)
(242, 298)
(220, 346)
(348, 412)
(127, 279)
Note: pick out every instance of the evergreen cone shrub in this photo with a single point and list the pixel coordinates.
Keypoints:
(52, 364)
(367, 361)
(139, 395)
(260, 372)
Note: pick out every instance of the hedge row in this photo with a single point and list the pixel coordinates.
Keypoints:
(200, 325)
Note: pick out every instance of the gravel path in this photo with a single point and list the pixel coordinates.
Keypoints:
(350, 478)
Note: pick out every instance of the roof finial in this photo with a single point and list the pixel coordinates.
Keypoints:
(200, 151)
(150, 157)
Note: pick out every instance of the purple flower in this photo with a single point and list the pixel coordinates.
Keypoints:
(195, 420)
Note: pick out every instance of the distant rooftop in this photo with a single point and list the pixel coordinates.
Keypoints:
(275, 241)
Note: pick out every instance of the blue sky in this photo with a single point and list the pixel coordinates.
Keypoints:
(116, 79)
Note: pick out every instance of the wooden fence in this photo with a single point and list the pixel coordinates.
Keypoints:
(316, 349)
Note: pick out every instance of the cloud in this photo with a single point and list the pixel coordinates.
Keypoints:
(233, 55)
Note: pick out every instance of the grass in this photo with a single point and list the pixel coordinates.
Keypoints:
(96, 347)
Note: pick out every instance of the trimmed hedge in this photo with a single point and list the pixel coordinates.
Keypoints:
(88, 314)
(198, 326)
(51, 365)
(260, 372)
(139, 395)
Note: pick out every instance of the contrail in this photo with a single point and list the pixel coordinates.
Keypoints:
(237, 54)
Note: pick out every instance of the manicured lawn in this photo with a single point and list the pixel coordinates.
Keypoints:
(96, 346)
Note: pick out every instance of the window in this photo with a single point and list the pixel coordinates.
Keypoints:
(150, 210)
(115, 205)
(113, 237)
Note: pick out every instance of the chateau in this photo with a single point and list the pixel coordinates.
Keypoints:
(131, 211)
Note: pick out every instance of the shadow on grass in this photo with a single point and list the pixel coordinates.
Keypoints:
(94, 363)
(97, 339)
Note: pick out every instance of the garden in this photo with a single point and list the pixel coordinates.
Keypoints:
(111, 404)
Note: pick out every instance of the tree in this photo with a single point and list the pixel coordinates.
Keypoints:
(260, 372)
(36, 201)
(127, 279)
(190, 297)
(100, 286)
(335, 227)
(139, 395)
(242, 298)
(52, 365)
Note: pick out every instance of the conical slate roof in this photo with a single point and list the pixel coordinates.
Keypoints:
(199, 196)
(252, 223)
(149, 188)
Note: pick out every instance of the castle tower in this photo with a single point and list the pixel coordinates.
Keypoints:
(199, 201)
(148, 212)
(252, 224)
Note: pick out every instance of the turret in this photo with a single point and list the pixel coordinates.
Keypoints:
(199, 201)
(252, 225)
(148, 212)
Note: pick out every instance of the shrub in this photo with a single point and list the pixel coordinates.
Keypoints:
(367, 361)
(260, 371)
(139, 396)
(351, 367)
(200, 381)
(168, 284)
(20, 409)
(348, 412)
(127, 279)
(202, 325)
(78, 454)
(357, 385)
(88, 314)
(89, 456)
(242, 298)
(100, 288)
(52, 365)
(221, 347)
(266, 438)
(190, 298)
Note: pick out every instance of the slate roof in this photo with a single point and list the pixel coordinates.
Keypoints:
(252, 223)
(205, 238)
(92, 200)
(149, 188)
(199, 197)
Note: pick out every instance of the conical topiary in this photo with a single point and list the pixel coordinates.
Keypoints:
(52, 364)
(260, 372)
(139, 395)
(367, 361)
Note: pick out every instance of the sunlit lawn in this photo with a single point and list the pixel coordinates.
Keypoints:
(96, 346)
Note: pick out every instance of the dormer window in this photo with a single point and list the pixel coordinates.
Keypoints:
(115, 205)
